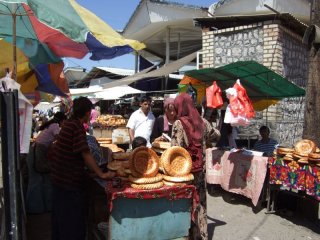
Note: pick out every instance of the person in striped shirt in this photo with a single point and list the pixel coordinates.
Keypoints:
(69, 156)
(266, 145)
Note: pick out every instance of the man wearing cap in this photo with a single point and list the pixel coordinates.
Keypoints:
(141, 121)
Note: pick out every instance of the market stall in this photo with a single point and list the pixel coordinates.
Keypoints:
(295, 170)
(245, 83)
(152, 194)
(237, 172)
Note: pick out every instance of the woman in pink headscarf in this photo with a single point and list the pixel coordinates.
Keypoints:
(191, 133)
(163, 124)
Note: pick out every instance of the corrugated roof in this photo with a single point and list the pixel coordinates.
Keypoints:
(222, 22)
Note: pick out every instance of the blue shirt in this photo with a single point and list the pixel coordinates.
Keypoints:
(266, 148)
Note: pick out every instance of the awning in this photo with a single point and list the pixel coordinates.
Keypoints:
(259, 81)
(117, 92)
(44, 106)
(163, 71)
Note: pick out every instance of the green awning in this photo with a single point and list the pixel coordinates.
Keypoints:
(259, 81)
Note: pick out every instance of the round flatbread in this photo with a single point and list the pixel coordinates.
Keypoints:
(161, 145)
(304, 147)
(171, 184)
(121, 155)
(144, 162)
(314, 156)
(284, 151)
(147, 186)
(176, 161)
(155, 179)
(186, 178)
(114, 165)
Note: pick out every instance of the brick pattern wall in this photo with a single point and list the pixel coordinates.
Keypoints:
(279, 49)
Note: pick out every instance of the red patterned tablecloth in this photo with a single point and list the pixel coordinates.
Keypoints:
(296, 176)
(171, 193)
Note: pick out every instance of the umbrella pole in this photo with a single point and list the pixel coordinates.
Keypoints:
(14, 44)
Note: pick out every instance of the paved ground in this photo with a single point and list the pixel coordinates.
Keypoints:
(230, 217)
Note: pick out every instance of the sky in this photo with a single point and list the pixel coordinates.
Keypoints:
(117, 13)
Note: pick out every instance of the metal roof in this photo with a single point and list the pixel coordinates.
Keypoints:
(222, 22)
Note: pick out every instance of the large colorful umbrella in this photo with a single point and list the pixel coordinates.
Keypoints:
(63, 26)
(44, 77)
(45, 30)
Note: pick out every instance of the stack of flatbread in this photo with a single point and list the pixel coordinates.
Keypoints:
(302, 149)
(144, 167)
(121, 168)
(176, 165)
(160, 146)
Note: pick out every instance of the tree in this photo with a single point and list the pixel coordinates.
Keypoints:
(311, 129)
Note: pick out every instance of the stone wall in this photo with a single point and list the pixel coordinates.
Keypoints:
(233, 44)
(276, 47)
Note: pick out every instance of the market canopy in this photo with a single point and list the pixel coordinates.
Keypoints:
(259, 81)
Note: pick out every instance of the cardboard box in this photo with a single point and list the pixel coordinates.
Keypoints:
(120, 136)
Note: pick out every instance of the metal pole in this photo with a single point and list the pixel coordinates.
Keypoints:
(14, 41)
(10, 164)
(167, 55)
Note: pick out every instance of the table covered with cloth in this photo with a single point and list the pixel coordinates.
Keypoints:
(295, 176)
(236, 172)
(170, 193)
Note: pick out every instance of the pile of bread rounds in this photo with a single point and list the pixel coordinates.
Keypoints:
(176, 164)
(304, 151)
(144, 166)
(111, 120)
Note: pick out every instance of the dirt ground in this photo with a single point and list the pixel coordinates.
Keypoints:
(230, 217)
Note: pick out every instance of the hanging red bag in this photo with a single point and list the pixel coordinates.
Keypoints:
(214, 96)
(244, 99)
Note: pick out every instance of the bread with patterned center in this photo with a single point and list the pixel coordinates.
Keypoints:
(144, 162)
(176, 161)
(304, 147)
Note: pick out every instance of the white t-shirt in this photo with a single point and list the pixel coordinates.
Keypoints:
(141, 124)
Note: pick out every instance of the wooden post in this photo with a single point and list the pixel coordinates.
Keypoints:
(312, 104)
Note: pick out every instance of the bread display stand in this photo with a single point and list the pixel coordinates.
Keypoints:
(138, 217)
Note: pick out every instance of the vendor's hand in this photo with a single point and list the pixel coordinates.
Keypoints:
(108, 175)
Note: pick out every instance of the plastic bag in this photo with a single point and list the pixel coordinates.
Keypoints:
(214, 96)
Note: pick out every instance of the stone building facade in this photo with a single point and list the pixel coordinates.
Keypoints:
(276, 47)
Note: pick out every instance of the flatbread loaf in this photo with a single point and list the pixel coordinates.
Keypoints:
(176, 161)
(161, 144)
(155, 179)
(186, 178)
(114, 165)
(304, 147)
(171, 184)
(121, 155)
(144, 162)
(147, 186)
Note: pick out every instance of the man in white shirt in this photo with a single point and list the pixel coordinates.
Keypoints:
(141, 121)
